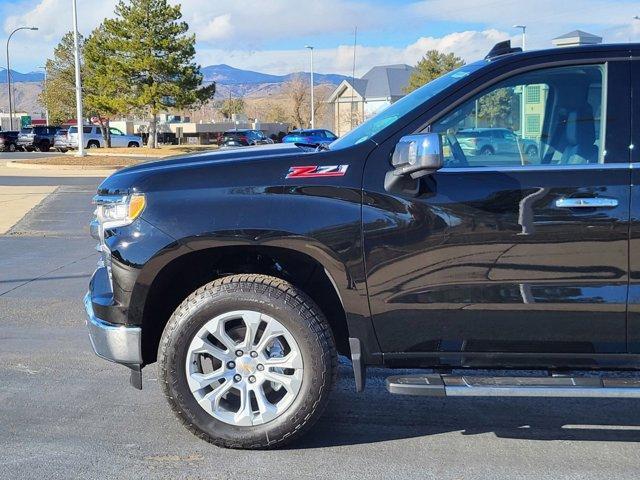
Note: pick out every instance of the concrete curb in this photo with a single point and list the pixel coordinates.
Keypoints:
(69, 168)
(108, 154)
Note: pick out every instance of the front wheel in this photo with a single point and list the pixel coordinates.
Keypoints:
(247, 361)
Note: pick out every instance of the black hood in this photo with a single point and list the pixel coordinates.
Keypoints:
(130, 178)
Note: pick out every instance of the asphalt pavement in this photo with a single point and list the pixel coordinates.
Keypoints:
(66, 414)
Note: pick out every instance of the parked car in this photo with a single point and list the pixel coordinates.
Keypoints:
(310, 137)
(61, 140)
(245, 137)
(40, 138)
(8, 141)
(495, 141)
(244, 273)
(93, 138)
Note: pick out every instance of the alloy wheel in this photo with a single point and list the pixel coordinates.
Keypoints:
(244, 368)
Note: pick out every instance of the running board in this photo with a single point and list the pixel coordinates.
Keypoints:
(435, 385)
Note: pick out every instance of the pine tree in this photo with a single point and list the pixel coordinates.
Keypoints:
(150, 56)
(433, 65)
(100, 87)
(58, 95)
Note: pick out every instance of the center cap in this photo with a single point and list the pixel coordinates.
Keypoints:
(246, 365)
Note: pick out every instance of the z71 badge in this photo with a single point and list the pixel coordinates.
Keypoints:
(315, 171)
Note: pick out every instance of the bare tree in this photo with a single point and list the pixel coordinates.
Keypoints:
(297, 92)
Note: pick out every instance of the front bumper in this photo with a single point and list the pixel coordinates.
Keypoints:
(116, 343)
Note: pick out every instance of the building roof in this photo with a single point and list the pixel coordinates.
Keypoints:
(577, 37)
(383, 81)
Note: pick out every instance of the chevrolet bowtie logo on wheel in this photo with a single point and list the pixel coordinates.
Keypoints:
(314, 171)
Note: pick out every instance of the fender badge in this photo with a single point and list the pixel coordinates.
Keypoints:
(315, 171)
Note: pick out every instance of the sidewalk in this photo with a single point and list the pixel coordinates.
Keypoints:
(16, 202)
(35, 170)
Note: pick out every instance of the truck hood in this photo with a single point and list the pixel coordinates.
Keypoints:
(127, 179)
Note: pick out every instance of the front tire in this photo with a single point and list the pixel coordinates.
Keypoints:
(219, 372)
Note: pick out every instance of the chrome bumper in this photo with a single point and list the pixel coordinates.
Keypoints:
(115, 343)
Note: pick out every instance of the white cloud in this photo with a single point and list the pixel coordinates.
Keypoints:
(243, 33)
(470, 45)
(218, 28)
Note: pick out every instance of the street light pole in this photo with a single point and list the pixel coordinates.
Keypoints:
(313, 114)
(9, 73)
(76, 51)
(524, 35)
(46, 110)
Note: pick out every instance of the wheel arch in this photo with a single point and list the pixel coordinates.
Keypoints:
(301, 262)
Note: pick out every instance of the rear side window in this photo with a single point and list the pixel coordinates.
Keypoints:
(545, 117)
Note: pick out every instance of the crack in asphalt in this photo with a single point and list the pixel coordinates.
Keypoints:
(39, 277)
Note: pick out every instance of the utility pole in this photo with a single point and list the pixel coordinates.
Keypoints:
(76, 51)
(46, 110)
(9, 73)
(313, 113)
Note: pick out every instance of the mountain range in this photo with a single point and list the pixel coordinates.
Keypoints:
(221, 74)
(21, 77)
(231, 82)
(227, 75)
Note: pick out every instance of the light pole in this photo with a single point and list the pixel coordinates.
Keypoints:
(9, 73)
(46, 110)
(76, 51)
(313, 114)
(524, 35)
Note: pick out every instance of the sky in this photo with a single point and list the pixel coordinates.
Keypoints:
(270, 35)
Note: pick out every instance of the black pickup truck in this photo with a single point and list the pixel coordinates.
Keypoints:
(244, 273)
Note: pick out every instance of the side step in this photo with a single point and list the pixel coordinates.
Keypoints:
(436, 385)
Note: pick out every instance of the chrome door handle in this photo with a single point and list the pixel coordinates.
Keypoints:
(595, 202)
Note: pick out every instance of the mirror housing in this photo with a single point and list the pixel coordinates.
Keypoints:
(418, 155)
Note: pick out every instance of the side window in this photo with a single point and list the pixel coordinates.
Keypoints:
(544, 117)
(87, 130)
(115, 131)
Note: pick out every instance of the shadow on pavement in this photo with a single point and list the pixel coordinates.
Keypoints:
(377, 416)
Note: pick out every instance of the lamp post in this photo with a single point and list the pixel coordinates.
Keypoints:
(76, 51)
(46, 110)
(9, 73)
(524, 35)
(313, 114)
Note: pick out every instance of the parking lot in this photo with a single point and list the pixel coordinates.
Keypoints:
(64, 413)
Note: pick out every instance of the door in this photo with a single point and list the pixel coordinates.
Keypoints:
(634, 244)
(117, 138)
(510, 253)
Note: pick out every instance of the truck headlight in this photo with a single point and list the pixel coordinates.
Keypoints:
(118, 211)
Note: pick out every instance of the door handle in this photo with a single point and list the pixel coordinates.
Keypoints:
(594, 202)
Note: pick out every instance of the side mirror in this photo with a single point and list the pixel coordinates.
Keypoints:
(414, 156)
(418, 155)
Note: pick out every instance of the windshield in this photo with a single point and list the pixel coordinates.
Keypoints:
(403, 106)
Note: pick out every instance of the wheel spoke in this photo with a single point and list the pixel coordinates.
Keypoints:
(198, 381)
(202, 345)
(252, 322)
(211, 401)
(287, 381)
(267, 410)
(272, 331)
(291, 360)
(221, 334)
(244, 416)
